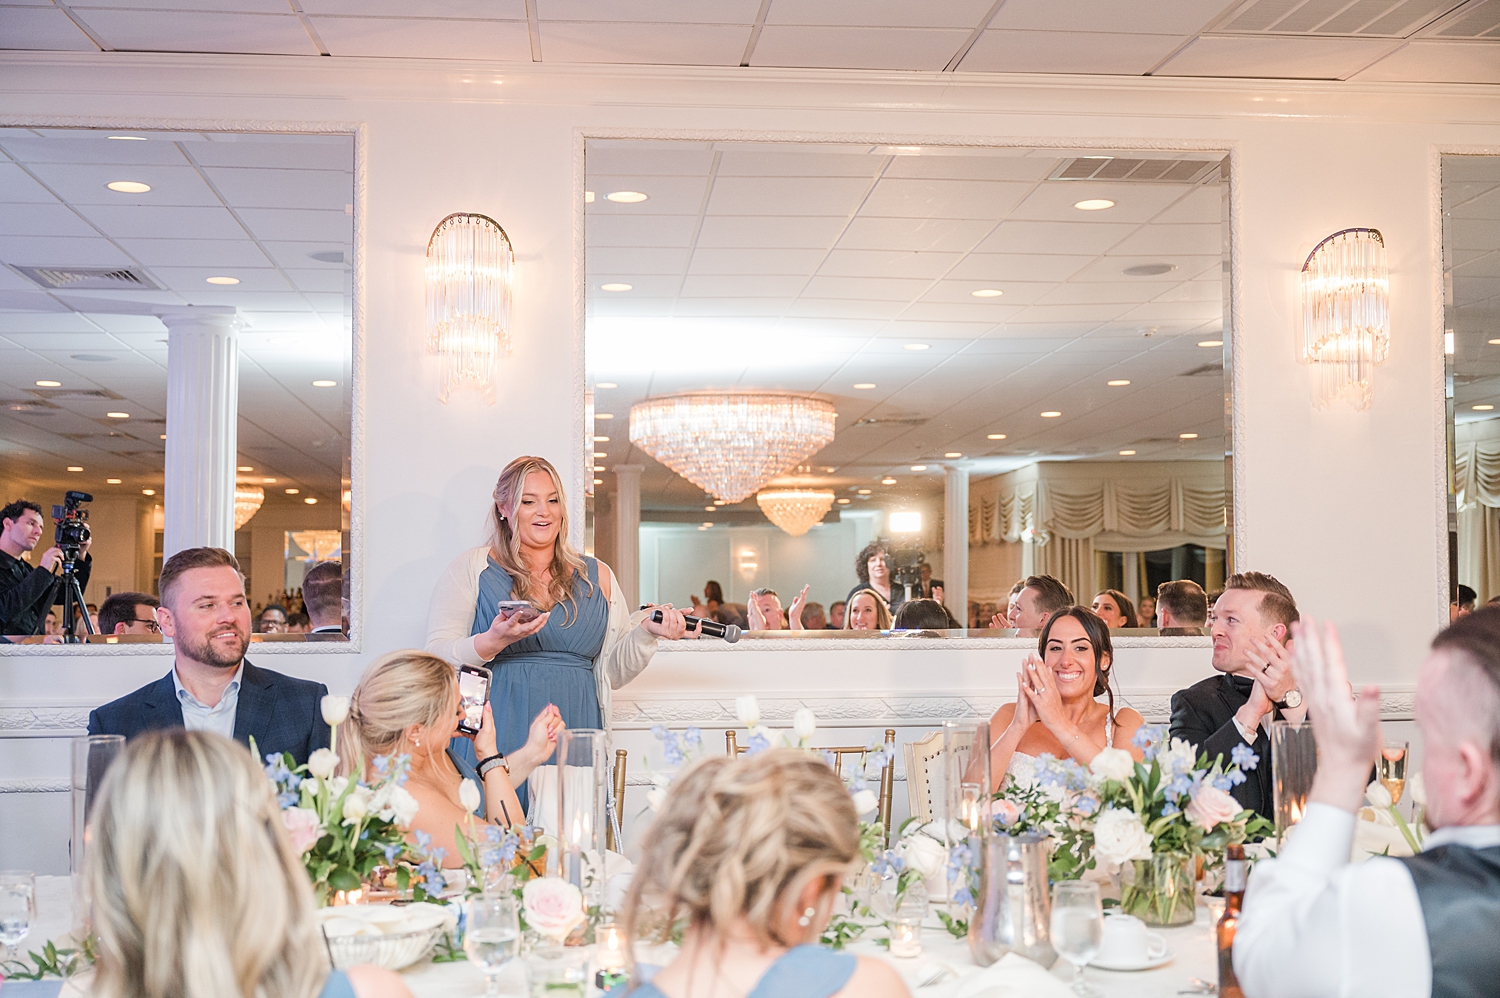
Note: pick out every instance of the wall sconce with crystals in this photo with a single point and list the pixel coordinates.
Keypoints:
(731, 443)
(247, 502)
(1346, 315)
(469, 267)
(795, 510)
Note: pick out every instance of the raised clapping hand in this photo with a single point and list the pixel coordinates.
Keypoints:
(541, 741)
(1000, 620)
(1025, 715)
(794, 615)
(1039, 689)
(672, 626)
(1348, 731)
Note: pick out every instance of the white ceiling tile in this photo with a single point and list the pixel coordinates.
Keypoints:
(1171, 240)
(780, 162)
(1105, 292)
(654, 44)
(1112, 268)
(911, 198)
(1194, 291)
(990, 268)
(505, 10)
(956, 311)
(625, 305)
(41, 27)
(1071, 313)
(42, 219)
(618, 230)
(925, 329)
(743, 286)
(1154, 312)
(84, 184)
(876, 288)
(1090, 237)
(194, 279)
(1275, 58)
(939, 163)
(887, 13)
(1016, 292)
(914, 234)
(1054, 202)
(219, 253)
(887, 263)
(1203, 205)
(153, 222)
(262, 188)
(299, 224)
(57, 251)
(786, 195)
(17, 187)
(280, 152)
(665, 195)
(299, 254)
(768, 231)
(1092, 52)
(424, 38)
(94, 148)
(188, 31)
(1430, 61)
(645, 159)
(668, 11)
(1181, 17)
(857, 47)
(852, 308)
(756, 261)
(731, 307)
(640, 260)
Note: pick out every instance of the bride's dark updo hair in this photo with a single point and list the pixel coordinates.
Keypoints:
(1098, 635)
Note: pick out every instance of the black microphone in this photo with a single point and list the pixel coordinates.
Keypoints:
(714, 629)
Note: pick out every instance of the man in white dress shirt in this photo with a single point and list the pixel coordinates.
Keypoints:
(1314, 923)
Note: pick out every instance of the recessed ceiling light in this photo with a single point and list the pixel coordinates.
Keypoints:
(74, 467)
(1483, 408)
(268, 481)
(292, 492)
(600, 453)
(996, 436)
(164, 436)
(606, 384)
(1493, 343)
(721, 502)
(118, 415)
(887, 481)
(1093, 204)
(601, 440)
(916, 346)
(603, 415)
(148, 492)
(111, 481)
(626, 197)
(244, 467)
(1187, 436)
(129, 138)
(1117, 383)
(710, 509)
(222, 280)
(987, 293)
(1150, 269)
(1210, 343)
(128, 187)
(324, 384)
(311, 500)
(615, 287)
(1127, 453)
(588, 197)
(863, 492)
(598, 481)
(845, 502)
(49, 384)
(864, 385)
(954, 453)
(598, 467)
(1051, 414)
(919, 467)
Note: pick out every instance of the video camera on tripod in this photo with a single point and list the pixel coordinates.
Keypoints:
(71, 535)
(906, 570)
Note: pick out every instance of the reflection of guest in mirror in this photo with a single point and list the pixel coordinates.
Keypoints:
(873, 566)
(1115, 609)
(713, 598)
(583, 644)
(1183, 607)
(867, 612)
(925, 615)
(1145, 614)
(836, 615)
(765, 610)
(272, 620)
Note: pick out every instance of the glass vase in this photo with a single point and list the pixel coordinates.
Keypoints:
(92, 756)
(1162, 890)
(554, 971)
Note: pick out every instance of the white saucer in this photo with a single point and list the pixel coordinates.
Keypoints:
(1149, 964)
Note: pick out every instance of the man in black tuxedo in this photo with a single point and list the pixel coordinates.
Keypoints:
(211, 687)
(1250, 629)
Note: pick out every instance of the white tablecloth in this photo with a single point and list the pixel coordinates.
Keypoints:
(1192, 948)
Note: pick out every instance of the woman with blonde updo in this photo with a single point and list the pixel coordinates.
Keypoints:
(407, 703)
(195, 889)
(751, 853)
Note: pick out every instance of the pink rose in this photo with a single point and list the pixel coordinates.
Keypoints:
(1007, 812)
(1211, 806)
(552, 907)
(303, 826)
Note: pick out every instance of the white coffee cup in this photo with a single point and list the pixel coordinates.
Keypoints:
(1126, 942)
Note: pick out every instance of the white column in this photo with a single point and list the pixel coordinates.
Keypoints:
(627, 510)
(956, 541)
(203, 387)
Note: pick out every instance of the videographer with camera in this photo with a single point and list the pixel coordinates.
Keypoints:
(27, 593)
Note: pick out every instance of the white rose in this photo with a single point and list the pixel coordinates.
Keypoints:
(356, 807)
(925, 855)
(1378, 796)
(1418, 789)
(747, 709)
(468, 795)
(335, 709)
(552, 906)
(392, 803)
(1113, 764)
(804, 723)
(1119, 836)
(865, 802)
(322, 763)
(1180, 756)
(336, 785)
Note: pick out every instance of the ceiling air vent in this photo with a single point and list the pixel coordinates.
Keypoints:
(76, 393)
(1205, 371)
(1134, 171)
(36, 407)
(89, 278)
(1363, 19)
(904, 421)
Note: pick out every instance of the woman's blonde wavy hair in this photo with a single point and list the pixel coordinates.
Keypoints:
(398, 690)
(195, 890)
(883, 619)
(741, 838)
(506, 546)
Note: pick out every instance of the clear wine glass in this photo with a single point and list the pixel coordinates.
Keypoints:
(492, 937)
(17, 908)
(1077, 926)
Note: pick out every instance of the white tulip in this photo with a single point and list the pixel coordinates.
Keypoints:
(1378, 796)
(1418, 789)
(322, 763)
(804, 723)
(356, 807)
(468, 795)
(747, 709)
(865, 802)
(335, 709)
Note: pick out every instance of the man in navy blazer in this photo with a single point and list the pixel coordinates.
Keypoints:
(211, 687)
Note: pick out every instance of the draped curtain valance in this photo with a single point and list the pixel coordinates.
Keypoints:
(1040, 510)
(1476, 472)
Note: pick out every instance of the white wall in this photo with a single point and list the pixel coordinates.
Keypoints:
(1341, 505)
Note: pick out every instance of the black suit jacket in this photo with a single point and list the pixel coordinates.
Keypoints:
(1204, 715)
(282, 714)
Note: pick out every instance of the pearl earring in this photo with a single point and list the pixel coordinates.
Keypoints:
(806, 918)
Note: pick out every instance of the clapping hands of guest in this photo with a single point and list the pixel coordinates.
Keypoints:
(1348, 731)
(1271, 668)
(1000, 620)
(1025, 715)
(1040, 691)
(541, 741)
(794, 614)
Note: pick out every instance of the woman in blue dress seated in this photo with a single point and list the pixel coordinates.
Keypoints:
(751, 854)
(584, 643)
(196, 890)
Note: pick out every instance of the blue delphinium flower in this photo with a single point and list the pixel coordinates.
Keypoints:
(1235, 777)
(829, 759)
(960, 863)
(1223, 782)
(1179, 785)
(382, 765)
(660, 732)
(287, 799)
(758, 743)
(392, 851)
(1244, 757)
(1086, 805)
(1149, 739)
(887, 863)
(692, 737)
(424, 841)
(431, 876)
(1170, 808)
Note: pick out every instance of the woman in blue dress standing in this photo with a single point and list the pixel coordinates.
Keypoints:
(585, 643)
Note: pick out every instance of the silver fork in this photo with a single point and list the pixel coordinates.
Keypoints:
(1198, 986)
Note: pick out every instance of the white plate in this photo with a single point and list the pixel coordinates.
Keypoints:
(1149, 964)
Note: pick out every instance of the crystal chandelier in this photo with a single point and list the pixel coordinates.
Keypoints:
(795, 510)
(247, 500)
(1346, 315)
(731, 443)
(469, 263)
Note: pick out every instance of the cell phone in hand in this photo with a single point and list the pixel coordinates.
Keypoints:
(473, 693)
(519, 610)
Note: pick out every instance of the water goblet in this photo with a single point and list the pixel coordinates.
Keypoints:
(1077, 928)
(492, 937)
(17, 908)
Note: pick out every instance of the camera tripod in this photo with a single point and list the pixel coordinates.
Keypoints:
(72, 602)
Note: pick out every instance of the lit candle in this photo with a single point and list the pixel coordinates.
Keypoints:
(906, 938)
(610, 956)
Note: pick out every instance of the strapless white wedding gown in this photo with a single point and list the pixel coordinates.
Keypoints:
(1022, 767)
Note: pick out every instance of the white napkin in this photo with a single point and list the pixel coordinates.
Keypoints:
(1012, 976)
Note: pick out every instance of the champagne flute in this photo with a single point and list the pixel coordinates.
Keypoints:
(492, 937)
(17, 907)
(1077, 927)
(1393, 769)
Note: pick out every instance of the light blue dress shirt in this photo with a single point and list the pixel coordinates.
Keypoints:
(197, 716)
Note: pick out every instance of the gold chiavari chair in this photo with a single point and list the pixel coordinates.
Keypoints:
(732, 747)
(612, 837)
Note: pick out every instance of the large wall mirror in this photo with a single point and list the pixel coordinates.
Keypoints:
(1471, 272)
(797, 350)
(108, 238)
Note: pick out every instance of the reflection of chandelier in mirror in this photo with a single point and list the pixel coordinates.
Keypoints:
(1346, 315)
(731, 443)
(469, 263)
(795, 510)
(247, 500)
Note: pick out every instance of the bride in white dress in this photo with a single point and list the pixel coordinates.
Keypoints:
(1056, 711)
